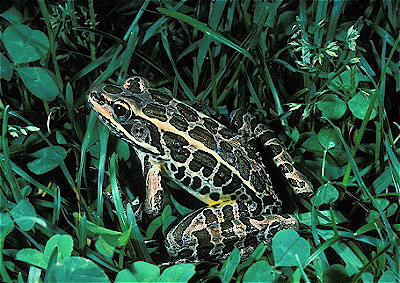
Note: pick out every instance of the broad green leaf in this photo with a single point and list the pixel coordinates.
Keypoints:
(6, 224)
(60, 138)
(167, 211)
(284, 18)
(125, 276)
(6, 68)
(178, 273)
(24, 44)
(64, 243)
(351, 269)
(346, 80)
(23, 214)
(335, 273)
(382, 203)
(47, 159)
(358, 105)
(75, 269)
(328, 138)
(388, 276)
(109, 239)
(313, 144)
(104, 247)
(153, 226)
(230, 266)
(26, 191)
(259, 272)
(145, 272)
(106, 244)
(13, 15)
(392, 209)
(167, 222)
(287, 246)
(261, 11)
(367, 277)
(124, 238)
(257, 253)
(39, 81)
(325, 194)
(332, 106)
(33, 257)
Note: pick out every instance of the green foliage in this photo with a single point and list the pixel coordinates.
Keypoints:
(177, 273)
(260, 271)
(230, 266)
(326, 74)
(290, 249)
(75, 269)
(62, 245)
(359, 104)
(23, 214)
(23, 44)
(325, 194)
(332, 106)
(47, 159)
(145, 272)
(40, 82)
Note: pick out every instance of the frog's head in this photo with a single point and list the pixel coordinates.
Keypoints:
(120, 108)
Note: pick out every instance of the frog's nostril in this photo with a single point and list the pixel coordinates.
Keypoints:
(100, 98)
(97, 96)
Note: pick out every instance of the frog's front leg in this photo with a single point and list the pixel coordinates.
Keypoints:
(213, 232)
(154, 192)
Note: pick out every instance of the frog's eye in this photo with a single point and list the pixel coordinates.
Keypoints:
(122, 110)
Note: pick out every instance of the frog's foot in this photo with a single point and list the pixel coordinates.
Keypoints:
(167, 264)
(213, 232)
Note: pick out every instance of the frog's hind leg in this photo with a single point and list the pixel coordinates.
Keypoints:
(213, 232)
(297, 181)
(247, 124)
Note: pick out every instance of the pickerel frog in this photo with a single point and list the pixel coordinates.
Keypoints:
(220, 166)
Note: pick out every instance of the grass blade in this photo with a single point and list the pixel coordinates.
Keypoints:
(207, 30)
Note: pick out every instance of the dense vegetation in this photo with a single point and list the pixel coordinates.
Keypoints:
(325, 75)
